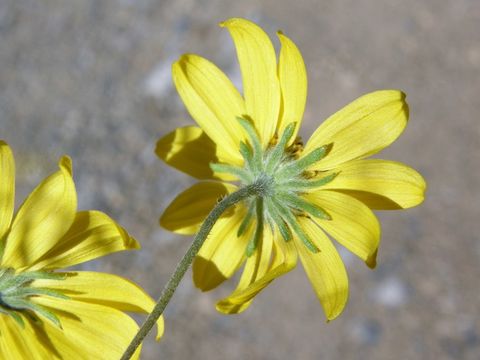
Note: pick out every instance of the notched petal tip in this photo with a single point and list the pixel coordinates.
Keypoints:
(234, 21)
(187, 57)
(285, 40)
(372, 260)
(405, 107)
(398, 95)
(180, 65)
(337, 312)
(65, 164)
(130, 242)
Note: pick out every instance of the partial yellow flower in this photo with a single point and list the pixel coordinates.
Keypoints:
(48, 314)
(325, 188)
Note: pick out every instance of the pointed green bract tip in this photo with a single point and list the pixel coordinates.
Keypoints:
(250, 248)
(18, 318)
(310, 246)
(290, 128)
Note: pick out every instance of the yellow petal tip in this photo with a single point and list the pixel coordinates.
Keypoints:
(239, 22)
(134, 244)
(335, 314)
(65, 163)
(183, 58)
(228, 22)
(282, 37)
(372, 260)
(160, 329)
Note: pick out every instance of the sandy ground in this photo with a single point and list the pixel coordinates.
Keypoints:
(92, 79)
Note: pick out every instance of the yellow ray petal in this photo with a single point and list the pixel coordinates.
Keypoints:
(89, 331)
(222, 252)
(104, 289)
(187, 211)
(285, 259)
(255, 268)
(92, 234)
(212, 101)
(258, 65)
(325, 270)
(362, 128)
(190, 150)
(20, 343)
(43, 219)
(381, 184)
(7, 187)
(293, 82)
(353, 224)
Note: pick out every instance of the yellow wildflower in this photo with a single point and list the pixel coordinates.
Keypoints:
(47, 314)
(324, 187)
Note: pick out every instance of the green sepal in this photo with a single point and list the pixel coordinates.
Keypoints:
(276, 154)
(18, 318)
(14, 315)
(239, 172)
(255, 140)
(302, 205)
(323, 181)
(16, 290)
(298, 185)
(271, 224)
(9, 279)
(247, 154)
(292, 222)
(277, 219)
(21, 304)
(246, 221)
(31, 291)
(297, 167)
(43, 275)
(253, 243)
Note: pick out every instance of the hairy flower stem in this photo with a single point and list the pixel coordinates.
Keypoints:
(258, 188)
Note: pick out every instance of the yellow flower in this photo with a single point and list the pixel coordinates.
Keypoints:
(46, 314)
(324, 187)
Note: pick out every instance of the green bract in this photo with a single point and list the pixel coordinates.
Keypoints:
(15, 294)
(286, 178)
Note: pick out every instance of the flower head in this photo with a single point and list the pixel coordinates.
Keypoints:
(323, 187)
(48, 314)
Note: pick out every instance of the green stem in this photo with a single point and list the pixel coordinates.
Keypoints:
(257, 188)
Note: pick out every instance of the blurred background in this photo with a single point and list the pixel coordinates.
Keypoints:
(92, 79)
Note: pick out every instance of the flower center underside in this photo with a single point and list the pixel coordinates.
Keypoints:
(286, 178)
(16, 293)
